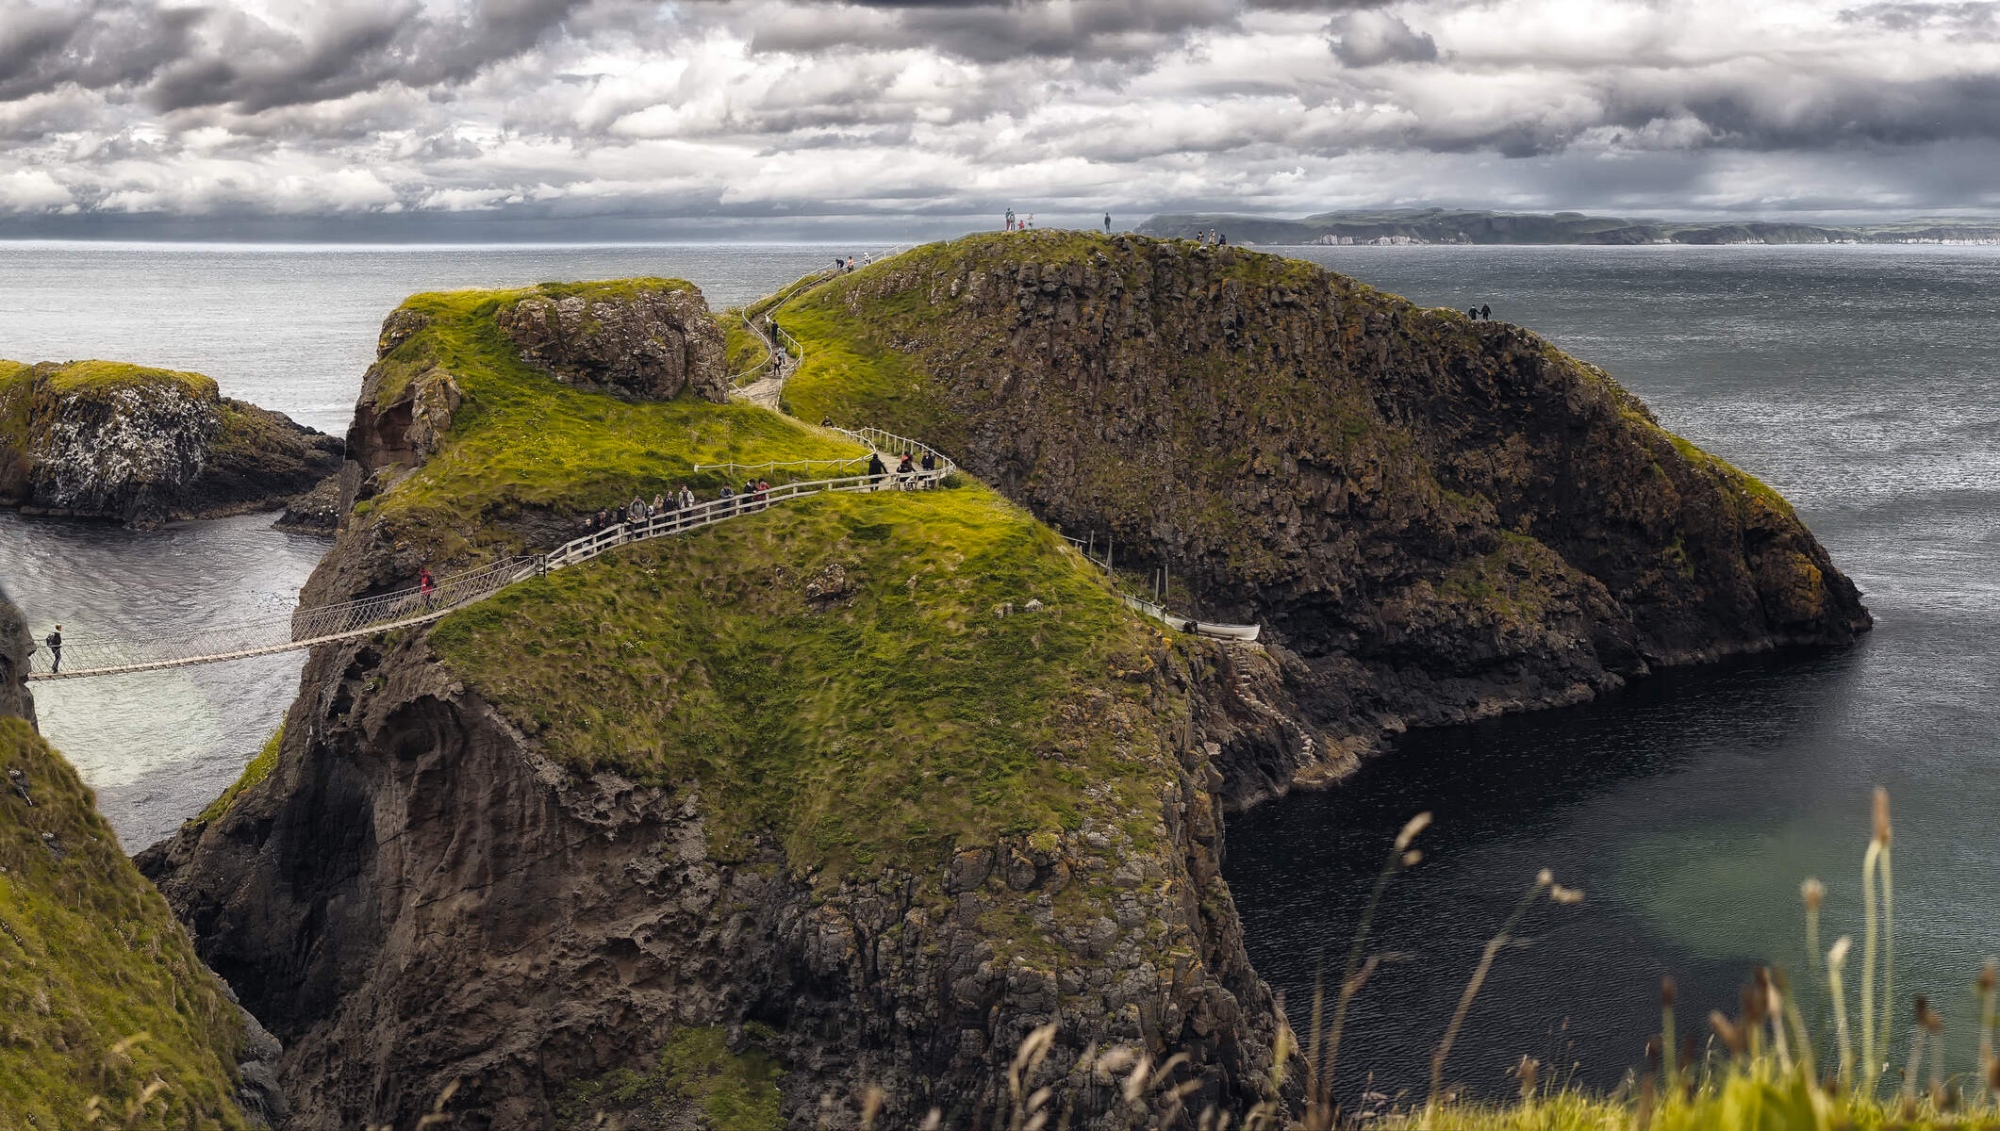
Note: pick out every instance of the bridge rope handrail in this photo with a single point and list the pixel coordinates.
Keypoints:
(367, 616)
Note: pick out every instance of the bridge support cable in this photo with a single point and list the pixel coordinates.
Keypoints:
(84, 657)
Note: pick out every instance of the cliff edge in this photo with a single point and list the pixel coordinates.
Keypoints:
(858, 791)
(106, 1015)
(101, 439)
(1437, 520)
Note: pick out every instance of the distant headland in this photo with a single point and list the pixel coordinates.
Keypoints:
(1472, 226)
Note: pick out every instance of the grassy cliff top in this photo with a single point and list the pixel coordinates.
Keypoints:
(105, 376)
(522, 439)
(841, 674)
(102, 1001)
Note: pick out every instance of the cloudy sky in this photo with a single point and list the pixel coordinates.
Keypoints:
(788, 112)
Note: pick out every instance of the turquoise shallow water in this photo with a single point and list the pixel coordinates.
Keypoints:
(1859, 381)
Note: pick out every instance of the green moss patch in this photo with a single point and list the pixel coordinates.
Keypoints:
(699, 1083)
(839, 674)
(103, 1005)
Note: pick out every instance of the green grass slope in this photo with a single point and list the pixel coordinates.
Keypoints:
(839, 672)
(523, 440)
(106, 1016)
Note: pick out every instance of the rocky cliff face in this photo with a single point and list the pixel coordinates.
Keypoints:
(1438, 520)
(145, 446)
(419, 896)
(457, 873)
(652, 338)
(17, 648)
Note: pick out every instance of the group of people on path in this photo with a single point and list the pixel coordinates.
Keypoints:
(666, 502)
(1478, 312)
(752, 496)
(905, 472)
(1211, 238)
(1023, 223)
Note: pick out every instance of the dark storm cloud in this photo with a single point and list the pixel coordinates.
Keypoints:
(1979, 18)
(992, 32)
(111, 43)
(178, 58)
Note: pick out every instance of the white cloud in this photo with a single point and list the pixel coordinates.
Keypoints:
(804, 107)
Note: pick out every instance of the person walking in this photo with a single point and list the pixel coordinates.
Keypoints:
(426, 586)
(1010, 219)
(1486, 312)
(54, 641)
(875, 469)
(1107, 223)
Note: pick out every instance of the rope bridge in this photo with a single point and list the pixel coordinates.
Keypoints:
(83, 657)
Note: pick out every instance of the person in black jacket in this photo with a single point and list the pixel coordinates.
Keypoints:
(875, 469)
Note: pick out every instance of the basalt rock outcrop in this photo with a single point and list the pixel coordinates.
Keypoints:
(1437, 519)
(17, 649)
(652, 338)
(145, 446)
(428, 894)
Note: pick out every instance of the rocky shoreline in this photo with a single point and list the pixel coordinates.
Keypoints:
(143, 446)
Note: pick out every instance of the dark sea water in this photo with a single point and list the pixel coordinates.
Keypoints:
(1857, 380)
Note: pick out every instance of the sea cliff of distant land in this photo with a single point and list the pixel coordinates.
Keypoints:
(1436, 519)
(107, 1018)
(1473, 226)
(722, 829)
(101, 439)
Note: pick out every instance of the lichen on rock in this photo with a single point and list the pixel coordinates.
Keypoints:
(109, 440)
(649, 338)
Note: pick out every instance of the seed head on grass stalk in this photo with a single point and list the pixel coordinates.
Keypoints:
(1836, 963)
(1352, 976)
(1989, 976)
(1669, 1076)
(1544, 881)
(1875, 921)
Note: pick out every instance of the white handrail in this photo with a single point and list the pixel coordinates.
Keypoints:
(367, 616)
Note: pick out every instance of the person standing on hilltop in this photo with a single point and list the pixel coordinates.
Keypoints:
(1107, 223)
(1486, 312)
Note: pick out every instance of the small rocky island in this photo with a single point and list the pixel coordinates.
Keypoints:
(868, 790)
(103, 439)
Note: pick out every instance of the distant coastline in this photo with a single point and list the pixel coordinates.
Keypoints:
(1469, 226)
